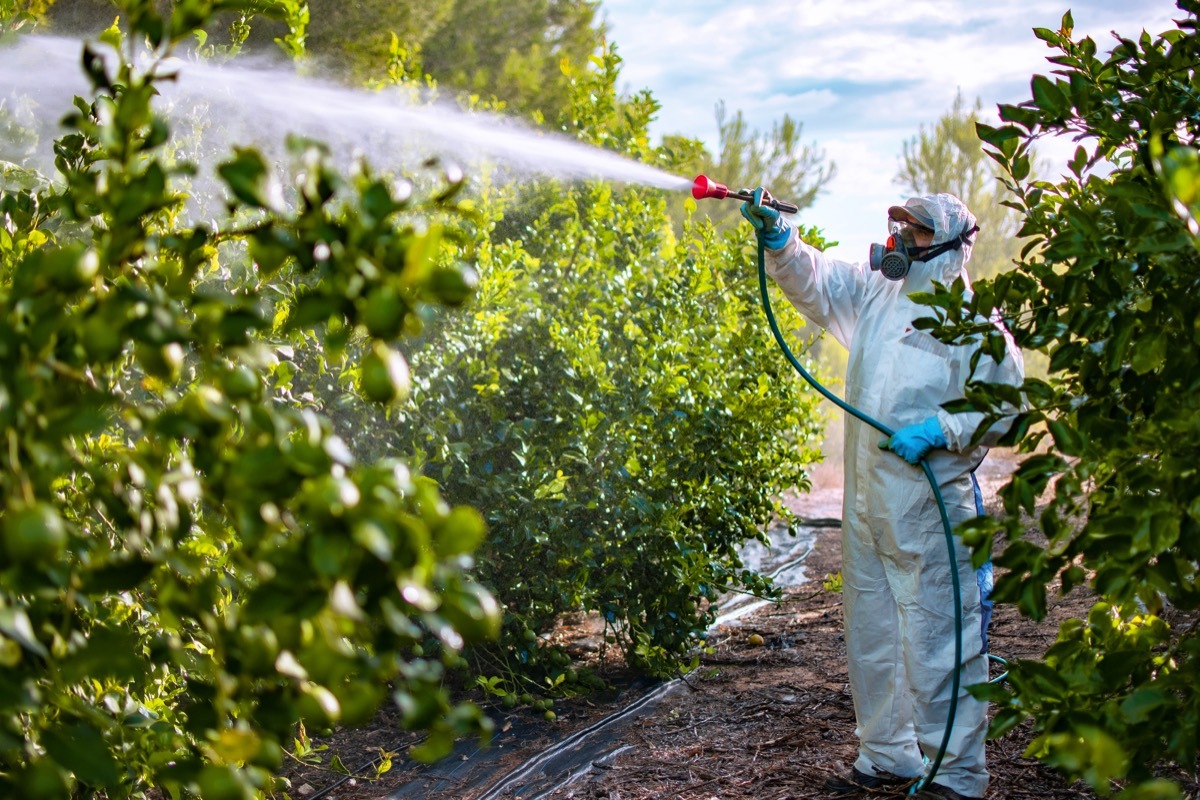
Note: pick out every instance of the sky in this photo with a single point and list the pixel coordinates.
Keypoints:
(862, 76)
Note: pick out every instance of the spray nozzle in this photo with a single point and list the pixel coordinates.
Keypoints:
(704, 187)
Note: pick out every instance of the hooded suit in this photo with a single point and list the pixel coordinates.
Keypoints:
(898, 595)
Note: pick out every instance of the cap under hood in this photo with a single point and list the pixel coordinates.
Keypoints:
(948, 217)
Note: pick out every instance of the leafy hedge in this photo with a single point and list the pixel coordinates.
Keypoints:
(208, 536)
(1107, 288)
(193, 562)
(611, 401)
(616, 410)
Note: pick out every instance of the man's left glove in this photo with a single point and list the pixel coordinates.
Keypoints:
(767, 221)
(913, 442)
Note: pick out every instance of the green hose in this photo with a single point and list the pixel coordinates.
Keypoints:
(937, 494)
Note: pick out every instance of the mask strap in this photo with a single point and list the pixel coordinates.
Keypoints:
(927, 253)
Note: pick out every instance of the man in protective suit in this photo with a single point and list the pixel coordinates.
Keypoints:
(898, 595)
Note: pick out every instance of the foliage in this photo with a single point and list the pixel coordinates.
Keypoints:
(202, 422)
(1107, 288)
(611, 402)
(512, 54)
(193, 562)
(950, 158)
(615, 408)
(353, 39)
(521, 53)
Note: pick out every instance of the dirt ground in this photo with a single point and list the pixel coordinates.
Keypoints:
(763, 718)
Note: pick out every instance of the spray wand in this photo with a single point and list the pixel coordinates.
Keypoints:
(702, 188)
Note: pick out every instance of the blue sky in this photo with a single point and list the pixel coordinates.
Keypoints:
(861, 75)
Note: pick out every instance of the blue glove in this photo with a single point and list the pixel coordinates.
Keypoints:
(767, 221)
(913, 442)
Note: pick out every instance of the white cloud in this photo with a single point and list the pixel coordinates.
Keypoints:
(861, 75)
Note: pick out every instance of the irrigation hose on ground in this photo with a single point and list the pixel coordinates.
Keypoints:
(933, 484)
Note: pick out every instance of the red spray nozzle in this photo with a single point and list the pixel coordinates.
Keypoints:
(704, 187)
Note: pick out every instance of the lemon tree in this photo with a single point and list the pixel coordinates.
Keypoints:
(192, 561)
(1106, 289)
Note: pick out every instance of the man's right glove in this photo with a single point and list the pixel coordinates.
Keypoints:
(767, 221)
(913, 442)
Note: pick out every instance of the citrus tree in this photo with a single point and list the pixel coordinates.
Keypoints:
(1107, 288)
(610, 400)
(193, 562)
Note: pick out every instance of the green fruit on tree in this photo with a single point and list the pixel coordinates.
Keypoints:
(384, 312)
(359, 701)
(257, 647)
(160, 361)
(102, 341)
(454, 285)
(268, 756)
(43, 780)
(241, 383)
(318, 707)
(34, 534)
(384, 377)
(473, 612)
(222, 783)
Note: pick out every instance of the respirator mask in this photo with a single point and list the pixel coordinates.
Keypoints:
(895, 258)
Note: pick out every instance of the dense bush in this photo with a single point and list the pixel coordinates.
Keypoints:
(207, 535)
(612, 402)
(193, 562)
(616, 410)
(1107, 288)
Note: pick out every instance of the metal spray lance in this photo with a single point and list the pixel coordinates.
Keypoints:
(703, 187)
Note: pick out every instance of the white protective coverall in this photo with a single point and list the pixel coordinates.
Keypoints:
(899, 612)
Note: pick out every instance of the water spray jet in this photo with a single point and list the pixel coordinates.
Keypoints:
(255, 102)
(704, 187)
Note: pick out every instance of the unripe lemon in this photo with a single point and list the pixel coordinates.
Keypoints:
(241, 382)
(160, 361)
(454, 285)
(101, 340)
(384, 312)
(34, 534)
(384, 376)
(269, 755)
(222, 783)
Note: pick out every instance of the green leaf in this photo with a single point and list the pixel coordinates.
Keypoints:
(1149, 353)
(1046, 35)
(82, 750)
(1049, 97)
(249, 180)
(1142, 703)
(462, 532)
(1066, 438)
(14, 623)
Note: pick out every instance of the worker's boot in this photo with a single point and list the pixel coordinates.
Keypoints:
(857, 782)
